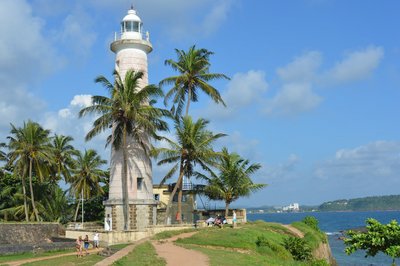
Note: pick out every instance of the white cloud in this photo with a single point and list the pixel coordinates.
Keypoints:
(83, 100)
(356, 66)
(303, 68)
(26, 57)
(301, 77)
(291, 99)
(180, 18)
(77, 32)
(66, 122)
(217, 16)
(243, 90)
(373, 161)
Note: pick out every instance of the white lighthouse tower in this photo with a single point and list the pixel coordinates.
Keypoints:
(131, 48)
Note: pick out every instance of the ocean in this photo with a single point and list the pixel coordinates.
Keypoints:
(334, 222)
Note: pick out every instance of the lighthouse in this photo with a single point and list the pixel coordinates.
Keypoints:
(131, 47)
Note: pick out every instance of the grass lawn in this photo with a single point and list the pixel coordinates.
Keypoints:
(68, 261)
(228, 245)
(143, 255)
(65, 260)
(30, 255)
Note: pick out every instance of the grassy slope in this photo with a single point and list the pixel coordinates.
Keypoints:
(223, 246)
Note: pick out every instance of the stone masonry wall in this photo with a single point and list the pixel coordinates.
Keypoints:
(21, 233)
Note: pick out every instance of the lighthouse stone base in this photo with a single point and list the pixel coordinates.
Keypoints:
(142, 214)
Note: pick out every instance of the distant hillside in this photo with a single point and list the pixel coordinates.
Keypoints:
(391, 202)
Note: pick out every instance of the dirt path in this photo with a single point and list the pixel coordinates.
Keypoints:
(294, 230)
(20, 262)
(175, 255)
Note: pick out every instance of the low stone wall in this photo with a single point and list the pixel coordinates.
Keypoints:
(32, 237)
(117, 237)
(28, 233)
(36, 248)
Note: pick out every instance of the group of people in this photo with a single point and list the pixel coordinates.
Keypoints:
(83, 244)
(220, 220)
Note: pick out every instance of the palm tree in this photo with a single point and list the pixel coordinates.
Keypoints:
(30, 152)
(62, 157)
(3, 154)
(3, 157)
(87, 176)
(233, 180)
(193, 67)
(130, 113)
(193, 147)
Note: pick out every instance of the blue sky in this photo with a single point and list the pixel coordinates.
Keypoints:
(313, 94)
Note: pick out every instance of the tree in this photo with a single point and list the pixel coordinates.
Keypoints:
(130, 113)
(193, 147)
(3, 154)
(193, 67)
(233, 180)
(3, 157)
(377, 238)
(87, 175)
(63, 153)
(30, 152)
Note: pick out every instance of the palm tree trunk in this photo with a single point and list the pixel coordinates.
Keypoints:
(25, 200)
(226, 209)
(31, 188)
(188, 101)
(167, 212)
(179, 214)
(76, 211)
(125, 181)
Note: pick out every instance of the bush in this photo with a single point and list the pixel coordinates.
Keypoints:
(312, 222)
(267, 247)
(298, 248)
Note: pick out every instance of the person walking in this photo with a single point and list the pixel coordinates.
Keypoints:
(234, 219)
(96, 240)
(78, 246)
(86, 244)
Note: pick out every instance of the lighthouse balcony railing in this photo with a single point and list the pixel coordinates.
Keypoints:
(144, 34)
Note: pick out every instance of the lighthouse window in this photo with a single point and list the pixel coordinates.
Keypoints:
(131, 26)
(139, 183)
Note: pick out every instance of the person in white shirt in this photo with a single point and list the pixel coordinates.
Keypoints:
(96, 240)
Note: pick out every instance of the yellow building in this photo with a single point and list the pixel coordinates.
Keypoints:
(162, 195)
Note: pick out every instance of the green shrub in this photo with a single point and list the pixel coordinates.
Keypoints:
(298, 248)
(312, 222)
(267, 247)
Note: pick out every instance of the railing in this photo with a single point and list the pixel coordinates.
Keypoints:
(145, 35)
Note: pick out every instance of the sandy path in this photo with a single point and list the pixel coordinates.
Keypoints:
(294, 230)
(176, 256)
(20, 262)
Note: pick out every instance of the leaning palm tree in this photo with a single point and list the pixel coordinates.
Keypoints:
(193, 147)
(233, 180)
(62, 156)
(3, 154)
(3, 157)
(193, 67)
(129, 111)
(87, 176)
(30, 152)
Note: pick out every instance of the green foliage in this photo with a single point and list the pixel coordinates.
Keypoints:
(234, 179)
(267, 247)
(377, 238)
(391, 202)
(312, 222)
(298, 248)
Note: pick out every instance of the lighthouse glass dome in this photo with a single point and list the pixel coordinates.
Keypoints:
(131, 26)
